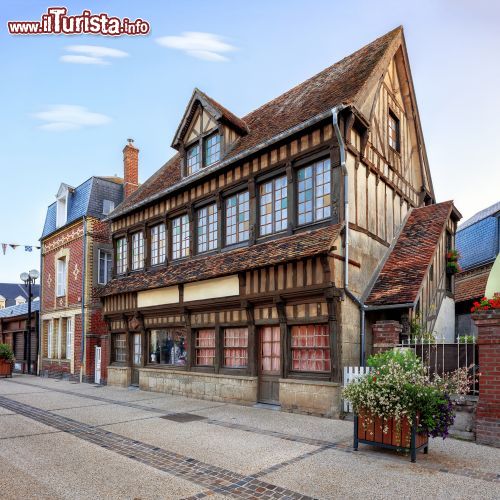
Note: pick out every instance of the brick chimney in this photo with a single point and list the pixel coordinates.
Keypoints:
(130, 168)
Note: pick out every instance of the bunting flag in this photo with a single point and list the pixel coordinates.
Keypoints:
(14, 246)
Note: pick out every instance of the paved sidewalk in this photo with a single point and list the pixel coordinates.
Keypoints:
(65, 440)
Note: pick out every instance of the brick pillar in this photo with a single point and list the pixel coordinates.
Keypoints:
(385, 335)
(488, 406)
(130, 168)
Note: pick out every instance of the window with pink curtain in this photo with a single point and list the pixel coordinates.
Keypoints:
(236, 347)
(270, 355)
(205, 347)
(311, 348)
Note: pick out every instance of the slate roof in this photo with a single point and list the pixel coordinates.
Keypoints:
(402, 275)
(338, 84)
(298, 246)
(478, 238)
(10, 291)
(20, 310)
(471, 286)
(86, 199)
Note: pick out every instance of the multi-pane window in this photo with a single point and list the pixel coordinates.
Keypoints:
(212, 149)
(121, 255)
(167, 347)
(61, 277)
(270, 355)
(393, 124)
(137, 251)
(273, 206)
(310, 348)
(206, 228)
(235, 353)
(204, 347)
(69, 338)
(237, 218)
(120, 347)
(104, 268)
(314, 192)
(158, 244)
(180, 237)
(193, 159)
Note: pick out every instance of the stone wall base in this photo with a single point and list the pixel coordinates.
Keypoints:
(119, 376)
(210, 386)
(310, 397)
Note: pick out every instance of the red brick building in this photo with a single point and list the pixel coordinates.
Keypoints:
(76, 262)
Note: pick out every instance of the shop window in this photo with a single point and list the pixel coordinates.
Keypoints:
(167, 347)
(235, 347)
(205, 347)
(120, 347)
(310, 348)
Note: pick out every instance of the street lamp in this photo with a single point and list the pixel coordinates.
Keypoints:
(29, 279)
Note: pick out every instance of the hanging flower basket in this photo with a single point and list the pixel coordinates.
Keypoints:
(390, 433)
(452, 265)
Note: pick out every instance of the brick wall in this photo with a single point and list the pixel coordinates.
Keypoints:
(386, 335)
(488, 407)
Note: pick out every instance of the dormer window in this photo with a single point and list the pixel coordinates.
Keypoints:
(20, 300)
(212, 149)
(193, 159)
(62, 205)
(107, 206)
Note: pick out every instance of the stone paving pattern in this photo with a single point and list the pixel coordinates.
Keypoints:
(49, 428)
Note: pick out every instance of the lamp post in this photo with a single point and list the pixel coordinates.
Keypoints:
(29, 279)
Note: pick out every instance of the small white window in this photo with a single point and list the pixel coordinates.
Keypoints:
(104, 267)
(137, 251)
(107, 206)
(62, 211)
(61, 277)
(20, 300)
(2, 302)
(69, 338)
(121, 255)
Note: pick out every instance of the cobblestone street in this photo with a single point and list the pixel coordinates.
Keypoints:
(66, 440)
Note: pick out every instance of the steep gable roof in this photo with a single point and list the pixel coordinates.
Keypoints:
(344, 82)
(403, 272)
(298, 246)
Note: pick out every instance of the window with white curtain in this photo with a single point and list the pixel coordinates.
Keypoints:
(61, 277)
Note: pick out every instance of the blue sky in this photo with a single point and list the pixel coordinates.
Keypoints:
(453, 48)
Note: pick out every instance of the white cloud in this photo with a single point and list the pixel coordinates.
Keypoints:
(83, 59)
(62, 117)
(91, 54)
(207, 46)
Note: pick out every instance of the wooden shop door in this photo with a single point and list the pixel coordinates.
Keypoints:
(136, 357)
(269, 364)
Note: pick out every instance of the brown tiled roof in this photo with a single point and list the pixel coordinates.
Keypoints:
(337, 84)
(404, 271)
(286, 249)
(471, 285)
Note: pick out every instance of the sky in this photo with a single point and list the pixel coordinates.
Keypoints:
(67, 109)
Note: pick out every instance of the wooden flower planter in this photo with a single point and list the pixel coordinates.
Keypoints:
(402, 437)
(6, 368)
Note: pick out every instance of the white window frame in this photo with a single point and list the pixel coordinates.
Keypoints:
(121, 255)
(158, 244)
(137, 251)
(61, 277)
(50, 334)
(108, 265)
(180, 240)
(107, 206)
(69, 337)
(59, 338)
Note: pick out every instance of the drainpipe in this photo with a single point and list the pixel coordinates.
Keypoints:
(335, 121)
(84, 270)
(40, 309)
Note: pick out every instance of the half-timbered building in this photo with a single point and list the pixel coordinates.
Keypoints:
(253, 264)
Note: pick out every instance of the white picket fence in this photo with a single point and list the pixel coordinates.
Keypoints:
(351, 373)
